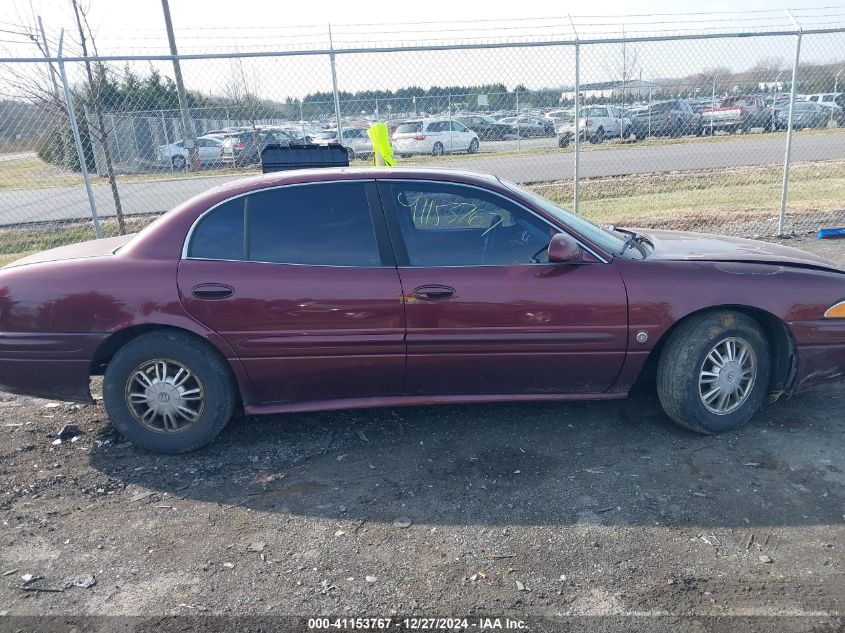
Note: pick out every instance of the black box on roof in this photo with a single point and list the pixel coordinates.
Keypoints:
(284, 157)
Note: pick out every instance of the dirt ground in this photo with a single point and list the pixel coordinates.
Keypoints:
(570, 516)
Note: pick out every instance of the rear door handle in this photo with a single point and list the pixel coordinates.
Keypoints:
(211, 292)
(434, 293)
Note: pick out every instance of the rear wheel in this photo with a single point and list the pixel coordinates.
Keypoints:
(713, 372)
(598, 137)
(350, 153)
(168, 392)
(563, 141)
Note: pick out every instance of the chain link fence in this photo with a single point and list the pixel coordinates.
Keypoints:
(682, 131)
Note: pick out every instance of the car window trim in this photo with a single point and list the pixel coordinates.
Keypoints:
(383, 244)
(398, 243)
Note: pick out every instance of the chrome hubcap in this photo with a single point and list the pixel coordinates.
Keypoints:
(727, 375)
(164, 396)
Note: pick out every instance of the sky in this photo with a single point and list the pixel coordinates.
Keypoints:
(137, 27)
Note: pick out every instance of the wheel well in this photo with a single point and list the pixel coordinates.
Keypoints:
(109, 347)
(780, 341)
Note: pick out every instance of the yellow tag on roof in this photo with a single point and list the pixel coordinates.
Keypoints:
(382, 150)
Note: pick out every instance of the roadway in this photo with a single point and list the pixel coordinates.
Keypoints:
(62, 203)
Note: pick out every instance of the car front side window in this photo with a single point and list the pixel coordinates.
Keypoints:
(454, 225)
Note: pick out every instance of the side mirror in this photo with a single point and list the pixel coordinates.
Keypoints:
(564, 250)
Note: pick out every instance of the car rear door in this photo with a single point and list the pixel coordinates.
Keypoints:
(300, 281)
(482, 316)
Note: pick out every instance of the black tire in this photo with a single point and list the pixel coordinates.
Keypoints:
(682, 359)
(210, 370)
(473, 146)
(563, 141)
(178, 162)
(350, 153)
(598, 137)
(626, 132)
(437, 150)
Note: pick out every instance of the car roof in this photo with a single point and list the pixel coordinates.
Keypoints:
(328, 174)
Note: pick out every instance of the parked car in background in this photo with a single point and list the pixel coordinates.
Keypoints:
(244, 147)
(675, 117)
(596, 124)
(826, 98)
(209, 152)
(434, 136)
(338, 288)
(527, 126)
(805, 114)
(738, 113)
(355, 140)
(488, 128)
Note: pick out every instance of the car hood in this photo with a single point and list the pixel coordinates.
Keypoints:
(683, 245)
(93, 248)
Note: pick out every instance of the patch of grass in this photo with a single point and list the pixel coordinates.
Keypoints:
(712, 196)
(17, 243)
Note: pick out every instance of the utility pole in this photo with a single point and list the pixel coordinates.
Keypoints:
(47, 54)
(190, 133)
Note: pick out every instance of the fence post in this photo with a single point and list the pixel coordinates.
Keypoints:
(334, 88)
(785, 187)
(518, 143)
(87, 113)
(77, 139)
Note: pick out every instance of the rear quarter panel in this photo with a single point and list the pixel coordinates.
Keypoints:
(54, 316)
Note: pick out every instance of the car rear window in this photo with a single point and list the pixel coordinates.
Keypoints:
(219, 234)
(410, 126)
(325, 224)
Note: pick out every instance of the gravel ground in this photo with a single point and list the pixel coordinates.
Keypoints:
(570, 516)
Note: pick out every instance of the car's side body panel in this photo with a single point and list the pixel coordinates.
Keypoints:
(55, 316)
(789, 293)
(306, 332)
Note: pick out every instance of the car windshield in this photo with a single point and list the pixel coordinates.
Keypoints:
(410, 126)
(603, 238)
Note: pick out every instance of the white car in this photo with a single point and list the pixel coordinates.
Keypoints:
(827, 99)
(355, 140)
(595, 124)
(434, 136)
(209, 151)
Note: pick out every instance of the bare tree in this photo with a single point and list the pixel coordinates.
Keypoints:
(243, 93)
(101, 133)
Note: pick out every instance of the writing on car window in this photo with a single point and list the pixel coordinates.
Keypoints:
(433, 211)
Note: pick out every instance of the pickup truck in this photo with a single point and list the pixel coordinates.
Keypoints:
(738, 114)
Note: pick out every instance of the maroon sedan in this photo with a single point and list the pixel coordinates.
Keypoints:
(340, 288)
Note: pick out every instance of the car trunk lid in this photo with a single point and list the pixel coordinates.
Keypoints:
(92, 248)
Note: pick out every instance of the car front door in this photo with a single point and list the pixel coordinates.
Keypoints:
(485, 311)
(295, 279)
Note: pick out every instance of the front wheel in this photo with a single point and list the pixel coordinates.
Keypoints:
(437, 150)
(473, 146)
(178, 162)
(713, 372)
(168, 392)
(350, 153)
(598, 137)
